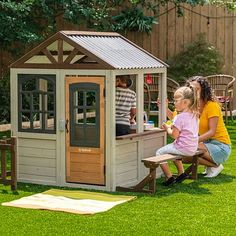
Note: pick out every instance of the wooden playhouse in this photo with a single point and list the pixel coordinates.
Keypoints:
(63, 111)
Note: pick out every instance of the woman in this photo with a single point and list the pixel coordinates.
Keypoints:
(213, 135)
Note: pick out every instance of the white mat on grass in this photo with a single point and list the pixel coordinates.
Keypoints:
(79, 202)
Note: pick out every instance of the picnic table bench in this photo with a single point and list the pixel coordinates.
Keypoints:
(153, 162)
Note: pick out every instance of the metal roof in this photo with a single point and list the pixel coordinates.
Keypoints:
(88, 50)
(117, 51)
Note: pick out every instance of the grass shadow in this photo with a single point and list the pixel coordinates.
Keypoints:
(223, 178)
(32, 188)
(5, 191)
(193, 187)
(35, 188)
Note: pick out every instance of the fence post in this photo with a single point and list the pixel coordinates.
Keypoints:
(8, 144)
(3, 164)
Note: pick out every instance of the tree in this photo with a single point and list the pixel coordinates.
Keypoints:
(24, 22)
(27, 21)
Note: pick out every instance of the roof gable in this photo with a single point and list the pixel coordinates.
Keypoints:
(87, 50)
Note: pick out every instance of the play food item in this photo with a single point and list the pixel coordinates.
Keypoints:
(168, 122)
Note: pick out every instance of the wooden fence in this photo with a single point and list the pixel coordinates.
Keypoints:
(173, 33)
(8, 146)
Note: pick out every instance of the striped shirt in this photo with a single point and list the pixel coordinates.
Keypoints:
(125, 100)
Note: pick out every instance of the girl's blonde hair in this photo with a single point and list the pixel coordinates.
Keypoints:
(190, 93)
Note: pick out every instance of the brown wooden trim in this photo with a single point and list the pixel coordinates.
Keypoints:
(67, 111)
(74, 179)
(136, 135)
(73, 53)
(55, 53)
(49, 56)
(37, 49)
(91, 66)
(60, 51)
(82, 59)
(102, 120)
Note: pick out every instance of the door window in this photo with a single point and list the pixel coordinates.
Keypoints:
(84, 115)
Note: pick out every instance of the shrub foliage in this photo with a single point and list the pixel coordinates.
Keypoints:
(198, 58)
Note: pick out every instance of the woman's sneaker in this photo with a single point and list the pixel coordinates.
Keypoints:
(206, 171)
(214, 171)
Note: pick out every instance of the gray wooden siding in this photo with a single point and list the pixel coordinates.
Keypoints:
(37, 161)
(129, 153)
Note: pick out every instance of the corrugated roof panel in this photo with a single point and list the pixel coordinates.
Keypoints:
(117, 52)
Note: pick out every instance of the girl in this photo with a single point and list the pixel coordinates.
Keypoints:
(184, 130)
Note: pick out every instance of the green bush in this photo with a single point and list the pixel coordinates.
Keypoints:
(198, 58)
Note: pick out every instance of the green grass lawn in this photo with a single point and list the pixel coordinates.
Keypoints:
(202, 207)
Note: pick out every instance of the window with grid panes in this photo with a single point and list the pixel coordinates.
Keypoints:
(37, 103)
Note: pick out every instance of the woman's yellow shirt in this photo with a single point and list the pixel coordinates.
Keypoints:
(213, 109)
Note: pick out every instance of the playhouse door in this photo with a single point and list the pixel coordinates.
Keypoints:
(85, 130)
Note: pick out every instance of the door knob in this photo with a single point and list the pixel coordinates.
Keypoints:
(66, 125)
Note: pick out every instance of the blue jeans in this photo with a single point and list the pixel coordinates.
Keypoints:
(219, 152)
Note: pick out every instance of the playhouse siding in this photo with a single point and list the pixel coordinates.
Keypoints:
(129, 153)
(127, 157)
(37, 162)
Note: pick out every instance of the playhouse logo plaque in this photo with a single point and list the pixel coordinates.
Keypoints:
(85, 150)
